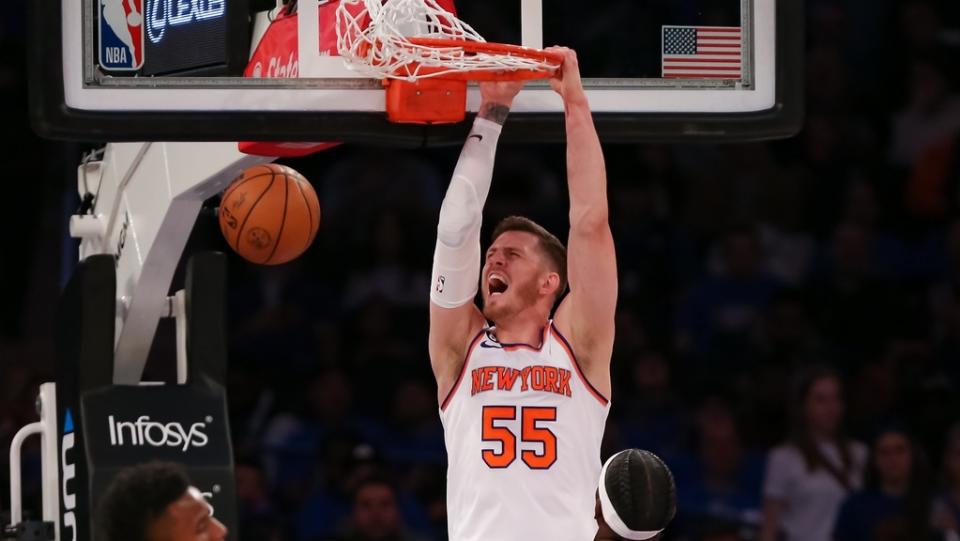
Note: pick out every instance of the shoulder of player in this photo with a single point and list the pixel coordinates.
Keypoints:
(449, 364)
(590, 349)
(453, 348)
(451, 329)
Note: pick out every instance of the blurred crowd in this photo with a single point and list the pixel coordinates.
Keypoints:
(788, 330)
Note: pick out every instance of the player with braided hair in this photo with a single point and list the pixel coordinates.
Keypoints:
(636, 497)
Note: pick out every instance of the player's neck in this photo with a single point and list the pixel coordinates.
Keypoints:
(522, 328)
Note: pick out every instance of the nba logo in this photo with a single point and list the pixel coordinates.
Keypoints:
(121, 34)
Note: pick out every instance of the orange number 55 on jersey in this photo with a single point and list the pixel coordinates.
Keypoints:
(531, 432)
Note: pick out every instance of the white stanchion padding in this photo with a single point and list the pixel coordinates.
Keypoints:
(50, 456)
(148, 195)
(46, 427)
(86, 225)
(178, 310)
(16, 500)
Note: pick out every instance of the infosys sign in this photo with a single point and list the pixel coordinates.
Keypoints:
(145, 432)
(128, 425)
(114, 427)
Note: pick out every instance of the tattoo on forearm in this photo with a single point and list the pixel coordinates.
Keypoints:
(494, 112)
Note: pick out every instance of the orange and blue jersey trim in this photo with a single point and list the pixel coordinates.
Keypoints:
(576, 365)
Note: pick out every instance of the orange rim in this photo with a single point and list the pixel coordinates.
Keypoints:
(475, 47)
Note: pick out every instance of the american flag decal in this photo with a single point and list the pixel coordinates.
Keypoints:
(702, 52)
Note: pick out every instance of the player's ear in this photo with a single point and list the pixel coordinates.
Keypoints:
(550, 284)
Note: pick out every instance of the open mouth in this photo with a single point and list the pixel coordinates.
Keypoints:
(497, 284)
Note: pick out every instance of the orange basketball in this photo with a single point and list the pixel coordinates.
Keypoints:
(270, 214)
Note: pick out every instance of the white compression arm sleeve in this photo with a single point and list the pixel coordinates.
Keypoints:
(456, 261)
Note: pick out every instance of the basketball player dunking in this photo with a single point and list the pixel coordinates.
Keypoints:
(524, 401)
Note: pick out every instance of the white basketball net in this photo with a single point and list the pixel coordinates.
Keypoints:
(381, 49)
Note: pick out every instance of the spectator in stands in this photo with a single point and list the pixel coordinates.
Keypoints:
(931, 116)
(946, 507)
(788, 334)
(719, 487)
(388, 273)
(721, 311)
(414, 435)
(324, 417)
(851, 304)
(376, 513)
(944, 303)
(652, 414)
(344, 462)
(895, 505)
(816, 468)
(258, 514)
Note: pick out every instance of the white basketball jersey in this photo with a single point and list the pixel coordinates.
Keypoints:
(523, 430)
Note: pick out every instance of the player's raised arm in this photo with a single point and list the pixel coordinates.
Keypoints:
(454, 317)
(586, 315)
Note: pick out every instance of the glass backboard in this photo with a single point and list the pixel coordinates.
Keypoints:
(241, 70)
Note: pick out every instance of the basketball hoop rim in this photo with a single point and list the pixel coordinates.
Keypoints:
(491, 48)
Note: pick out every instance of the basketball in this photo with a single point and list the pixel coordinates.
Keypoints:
(270, 214)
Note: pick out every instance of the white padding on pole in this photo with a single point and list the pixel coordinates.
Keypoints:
(16, 502)
(50, 475)
(179, 301)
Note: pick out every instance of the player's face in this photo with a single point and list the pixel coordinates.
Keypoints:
(188, 519)
(513, 274)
